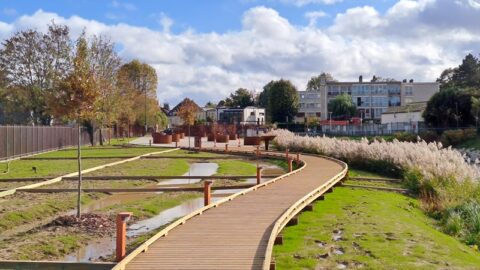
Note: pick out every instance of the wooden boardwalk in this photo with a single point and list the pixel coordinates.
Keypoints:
(239, 233)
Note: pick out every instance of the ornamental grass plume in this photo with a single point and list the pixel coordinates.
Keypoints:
(431, 170)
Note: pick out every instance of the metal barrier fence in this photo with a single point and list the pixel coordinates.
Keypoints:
(17, 141)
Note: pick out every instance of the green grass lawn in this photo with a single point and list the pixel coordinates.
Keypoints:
(472, 143)
(235, 167)
(146, 167)
(46, 168)
(101, 152)
(362, 173)
(379, 230)
(119, 141)
(190, 154)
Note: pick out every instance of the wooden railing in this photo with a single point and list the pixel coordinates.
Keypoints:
(144, 247)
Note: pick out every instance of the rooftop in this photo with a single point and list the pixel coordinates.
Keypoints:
(411, 107)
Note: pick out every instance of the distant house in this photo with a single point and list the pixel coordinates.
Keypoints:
(175, 120)
(407, 117)
(248, 115)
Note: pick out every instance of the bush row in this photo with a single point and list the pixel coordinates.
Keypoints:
(447, 138)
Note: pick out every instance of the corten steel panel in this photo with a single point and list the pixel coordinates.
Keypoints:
(24, 141)
(34, 139)
(3, 142)
(10, 140)
(17, 142)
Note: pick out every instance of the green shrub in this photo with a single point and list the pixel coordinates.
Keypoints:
(452, 137)
(429, 136)
(453, 223)
(412, 181)
(469, 133)
(405, 136)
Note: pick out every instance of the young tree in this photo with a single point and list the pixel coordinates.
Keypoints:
(468, 73)
(227, 102)
(449, 108)
(242, 98)
(75, 99)
(187, 112)
(476, 109)
(34, 64)
(315, 82)
(142, 79)
(342, 107)
(282, 101)
(104, 64)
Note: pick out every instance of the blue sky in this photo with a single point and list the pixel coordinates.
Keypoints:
(202, 16)
(206, 49)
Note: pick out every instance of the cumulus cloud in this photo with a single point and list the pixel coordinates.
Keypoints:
(123, 5)
(313, 16)
(406, 41)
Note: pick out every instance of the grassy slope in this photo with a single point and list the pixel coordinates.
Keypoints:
(147, 167)
(47, 168)
(472, 143)
(101, 152)
(361, 173)
(235, 167)
(381, 230)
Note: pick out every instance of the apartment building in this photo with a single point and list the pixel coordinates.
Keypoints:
(372, 98)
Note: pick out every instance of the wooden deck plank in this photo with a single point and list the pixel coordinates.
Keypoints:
(236, 234)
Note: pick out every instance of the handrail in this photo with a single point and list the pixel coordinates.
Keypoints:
(297, 207)
(144, 247)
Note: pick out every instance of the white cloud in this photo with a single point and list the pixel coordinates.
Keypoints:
(410, 40)
(166, 22)
(123, 5)
(9, 11)
(313, 16)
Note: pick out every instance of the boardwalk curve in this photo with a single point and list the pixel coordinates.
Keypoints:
(240, 233)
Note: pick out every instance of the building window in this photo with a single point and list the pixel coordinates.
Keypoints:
(409, 90)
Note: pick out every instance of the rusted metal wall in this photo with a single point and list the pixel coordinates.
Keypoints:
(17, 141)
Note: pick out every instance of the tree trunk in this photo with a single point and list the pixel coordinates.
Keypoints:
(79, 160)
(189, 135)
(101, 136)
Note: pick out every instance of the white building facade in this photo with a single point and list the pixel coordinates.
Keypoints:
(371, 98)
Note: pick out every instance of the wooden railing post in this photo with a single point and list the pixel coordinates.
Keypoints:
(122, 219)
(226, 147)
(176, 144)
(290, 165)
(286, 153)
(207, 192)
(259, 175)
(258, 150)
(298, 158)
